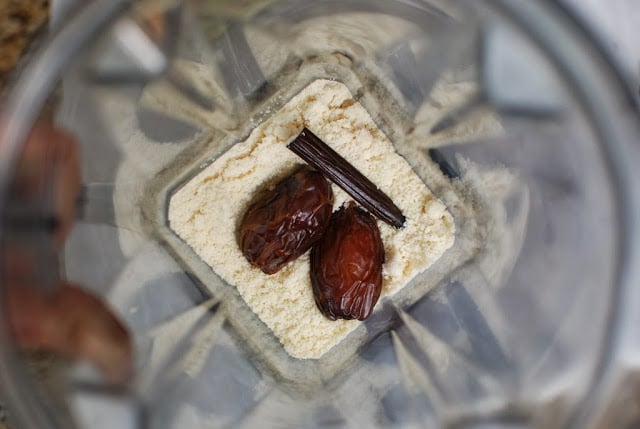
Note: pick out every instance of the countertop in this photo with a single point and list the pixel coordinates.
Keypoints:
(19, 21)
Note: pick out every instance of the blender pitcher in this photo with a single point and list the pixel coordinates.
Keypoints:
(509, 114)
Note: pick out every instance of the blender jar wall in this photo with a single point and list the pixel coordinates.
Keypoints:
(493, 340)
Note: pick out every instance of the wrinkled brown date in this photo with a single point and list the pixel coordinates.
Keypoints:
(286, 222)
(346, 265)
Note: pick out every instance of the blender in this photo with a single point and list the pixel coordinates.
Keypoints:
(509, 113)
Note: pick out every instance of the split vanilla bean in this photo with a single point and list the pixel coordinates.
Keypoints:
(318, 154)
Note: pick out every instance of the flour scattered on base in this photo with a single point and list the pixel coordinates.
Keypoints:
(206, 211)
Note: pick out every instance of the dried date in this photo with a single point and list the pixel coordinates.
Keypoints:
(286, 222)
(346, 265)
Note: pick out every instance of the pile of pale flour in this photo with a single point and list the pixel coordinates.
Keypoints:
(206, 212)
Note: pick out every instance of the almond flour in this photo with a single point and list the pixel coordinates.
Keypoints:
(206, 211)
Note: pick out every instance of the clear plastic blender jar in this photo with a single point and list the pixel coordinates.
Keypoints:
(507, 112)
